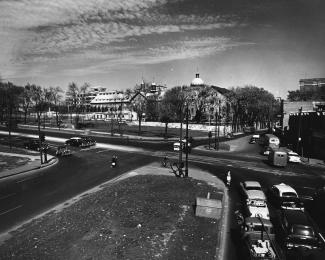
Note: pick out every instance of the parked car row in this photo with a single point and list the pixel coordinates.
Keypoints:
(278, 156)
(61, 150)
(256, 229)
(296, 229)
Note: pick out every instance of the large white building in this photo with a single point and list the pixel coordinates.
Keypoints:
(118, 104)
(112, 104)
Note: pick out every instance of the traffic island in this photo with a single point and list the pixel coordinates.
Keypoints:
(16, 160)
(140, 217)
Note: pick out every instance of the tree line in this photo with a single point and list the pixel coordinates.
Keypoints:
(241, 106)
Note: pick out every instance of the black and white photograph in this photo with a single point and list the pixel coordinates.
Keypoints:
(162, 129)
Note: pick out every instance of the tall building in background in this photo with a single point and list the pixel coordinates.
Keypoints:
(311, 84)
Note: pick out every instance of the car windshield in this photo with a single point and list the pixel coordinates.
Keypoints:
(302, 231)
(253, 188)
(289, 194)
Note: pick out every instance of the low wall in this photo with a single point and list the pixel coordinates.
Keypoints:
(222, 129)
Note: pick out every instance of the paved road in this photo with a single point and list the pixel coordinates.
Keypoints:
(90, 167)
(35, 193)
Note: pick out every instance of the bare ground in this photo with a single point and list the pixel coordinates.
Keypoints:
(142, 217)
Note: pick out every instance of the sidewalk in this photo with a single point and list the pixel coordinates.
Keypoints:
(143, 214)
(32, 162)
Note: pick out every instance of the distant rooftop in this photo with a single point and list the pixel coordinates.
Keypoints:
(312, 79)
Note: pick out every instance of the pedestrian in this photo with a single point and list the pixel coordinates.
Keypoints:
(164, 163)
(228, 178)
(114, 160)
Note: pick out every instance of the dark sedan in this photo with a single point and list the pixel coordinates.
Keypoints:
(91, 141)
(77, 142)
(34, 144)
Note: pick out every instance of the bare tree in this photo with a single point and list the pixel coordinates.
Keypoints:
(26, 101)
(72, 99)
(139, 106)
(10, 101)
(76, 98)
(82, 96)
(56, 98)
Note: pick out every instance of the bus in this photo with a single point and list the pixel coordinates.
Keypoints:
(270, 140)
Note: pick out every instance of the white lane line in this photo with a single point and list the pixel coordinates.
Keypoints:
(102, 151)
(322, 237)
(9, 210)
(7, 196)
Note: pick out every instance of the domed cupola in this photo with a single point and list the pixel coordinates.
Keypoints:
(153, 87)
(197, 81)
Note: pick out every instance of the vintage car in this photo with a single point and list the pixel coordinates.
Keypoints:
(254, 139)
(63, 151)
(258, 239)
(285, 197)
(35, 144)
(293, 157)
(177, 145)
(299, 231)
(266, 150)
(255, 200)
(77, 142)
(256, 204)
(258, 211)
(249, 185)
(90, 140)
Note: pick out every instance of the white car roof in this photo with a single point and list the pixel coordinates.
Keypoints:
(252, 184)
(262, 212)
(76, 138)
(285, 188)
(255, 194)
(293, 154)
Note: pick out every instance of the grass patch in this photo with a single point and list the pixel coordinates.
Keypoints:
(11, 162)
(222, 146)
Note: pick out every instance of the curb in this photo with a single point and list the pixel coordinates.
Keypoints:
(221, 241)
(49, 163)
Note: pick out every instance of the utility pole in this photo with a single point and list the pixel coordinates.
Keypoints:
(186, 144)
(217, 127)
(299, 130)
(215, 131)
(180, 159)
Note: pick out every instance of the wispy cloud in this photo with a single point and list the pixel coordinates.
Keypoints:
(40, 32)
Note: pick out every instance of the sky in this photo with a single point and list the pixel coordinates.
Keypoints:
(116, 44)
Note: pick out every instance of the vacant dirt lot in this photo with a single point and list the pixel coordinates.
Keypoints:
(142, 217)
